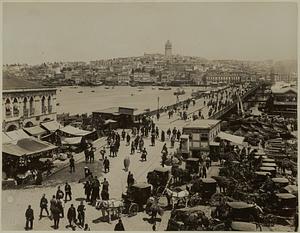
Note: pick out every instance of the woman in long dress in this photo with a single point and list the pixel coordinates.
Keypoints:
(126, 163)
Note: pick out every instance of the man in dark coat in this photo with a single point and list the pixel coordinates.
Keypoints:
(72, 164)
(29, 218)
(68, 191)
(59, 193)
(81, 213)
(119, 226)
(105, 184)
(56, 216)
(87, 190)
(71, 215)
(106, 165)
(44, 205)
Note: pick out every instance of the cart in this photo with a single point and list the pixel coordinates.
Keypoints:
(192, 165)
(286, 204)
(159, 178)
(242, 211)
(280, 183)
(136, 198)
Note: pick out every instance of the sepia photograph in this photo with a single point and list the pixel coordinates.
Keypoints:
(149, 116)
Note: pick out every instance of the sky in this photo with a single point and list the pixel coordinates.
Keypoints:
(34, 33)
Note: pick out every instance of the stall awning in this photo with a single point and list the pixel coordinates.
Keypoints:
(74, 131)
(232, 138)
(71, 141)
(27, 146)
(35, 130)
(17, 134)
(6, 138)
(51, 126)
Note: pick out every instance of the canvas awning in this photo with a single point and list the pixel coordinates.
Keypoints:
(35, 130)
(71, 141)
(6, 138)
(51, 126)
(110, 121)
(232, 138)
(27, 146)
(17, 134)
(74, 131)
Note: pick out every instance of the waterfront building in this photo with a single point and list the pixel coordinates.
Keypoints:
(168, 49)
(226, 77)
(284, 101)
(26, 104)
(202, 134)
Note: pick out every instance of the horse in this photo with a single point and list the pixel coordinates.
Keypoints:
(111, 207)
(178, 196)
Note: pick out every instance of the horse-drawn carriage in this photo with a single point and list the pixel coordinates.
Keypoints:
(242, 211)
(192, 165)
(205, 186)
(132, 201)
(159, 179)
(136, 197)
(285, 204)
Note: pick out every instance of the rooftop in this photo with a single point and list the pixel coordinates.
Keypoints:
(12, 83)
(203, 124)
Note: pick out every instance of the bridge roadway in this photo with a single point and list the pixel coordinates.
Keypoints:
(226, 110)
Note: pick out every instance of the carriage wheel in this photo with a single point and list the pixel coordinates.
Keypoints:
(133, 209)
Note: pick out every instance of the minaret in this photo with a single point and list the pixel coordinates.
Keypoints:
(168, 49)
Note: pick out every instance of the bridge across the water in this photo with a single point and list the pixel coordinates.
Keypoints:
(233, 106)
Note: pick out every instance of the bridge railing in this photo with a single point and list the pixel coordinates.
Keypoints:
(220, 113)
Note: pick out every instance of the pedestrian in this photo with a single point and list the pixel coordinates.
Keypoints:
(59, 193)
(44, 205)
(106, 165)
(127, 139)
(86, 154)
(204, 175)
(60, 207)
(29, 215)
(178, 135)
(86, 227)
(71, 215)
(102, 152)
(130, 179)
(119, 226)
(56, 217)
(105, 184)
(172, 140)
(144, 155)
(72, 164)
(141, 145)
(169, 133)
(104, 195)
(123, 134)
(132, 148)
(81, 214)
(87, 190)
(164, 158)
(126, 163)
(153, 139)
(53, 204)
(163, 136)
(68, 192)
(92, 154)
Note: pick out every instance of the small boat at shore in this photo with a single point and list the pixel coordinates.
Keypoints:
(57, 104)
(165, 88)
(80, 91)
(179, 92)
(106, 87)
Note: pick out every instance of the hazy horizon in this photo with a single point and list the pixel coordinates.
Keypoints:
(34, 33)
